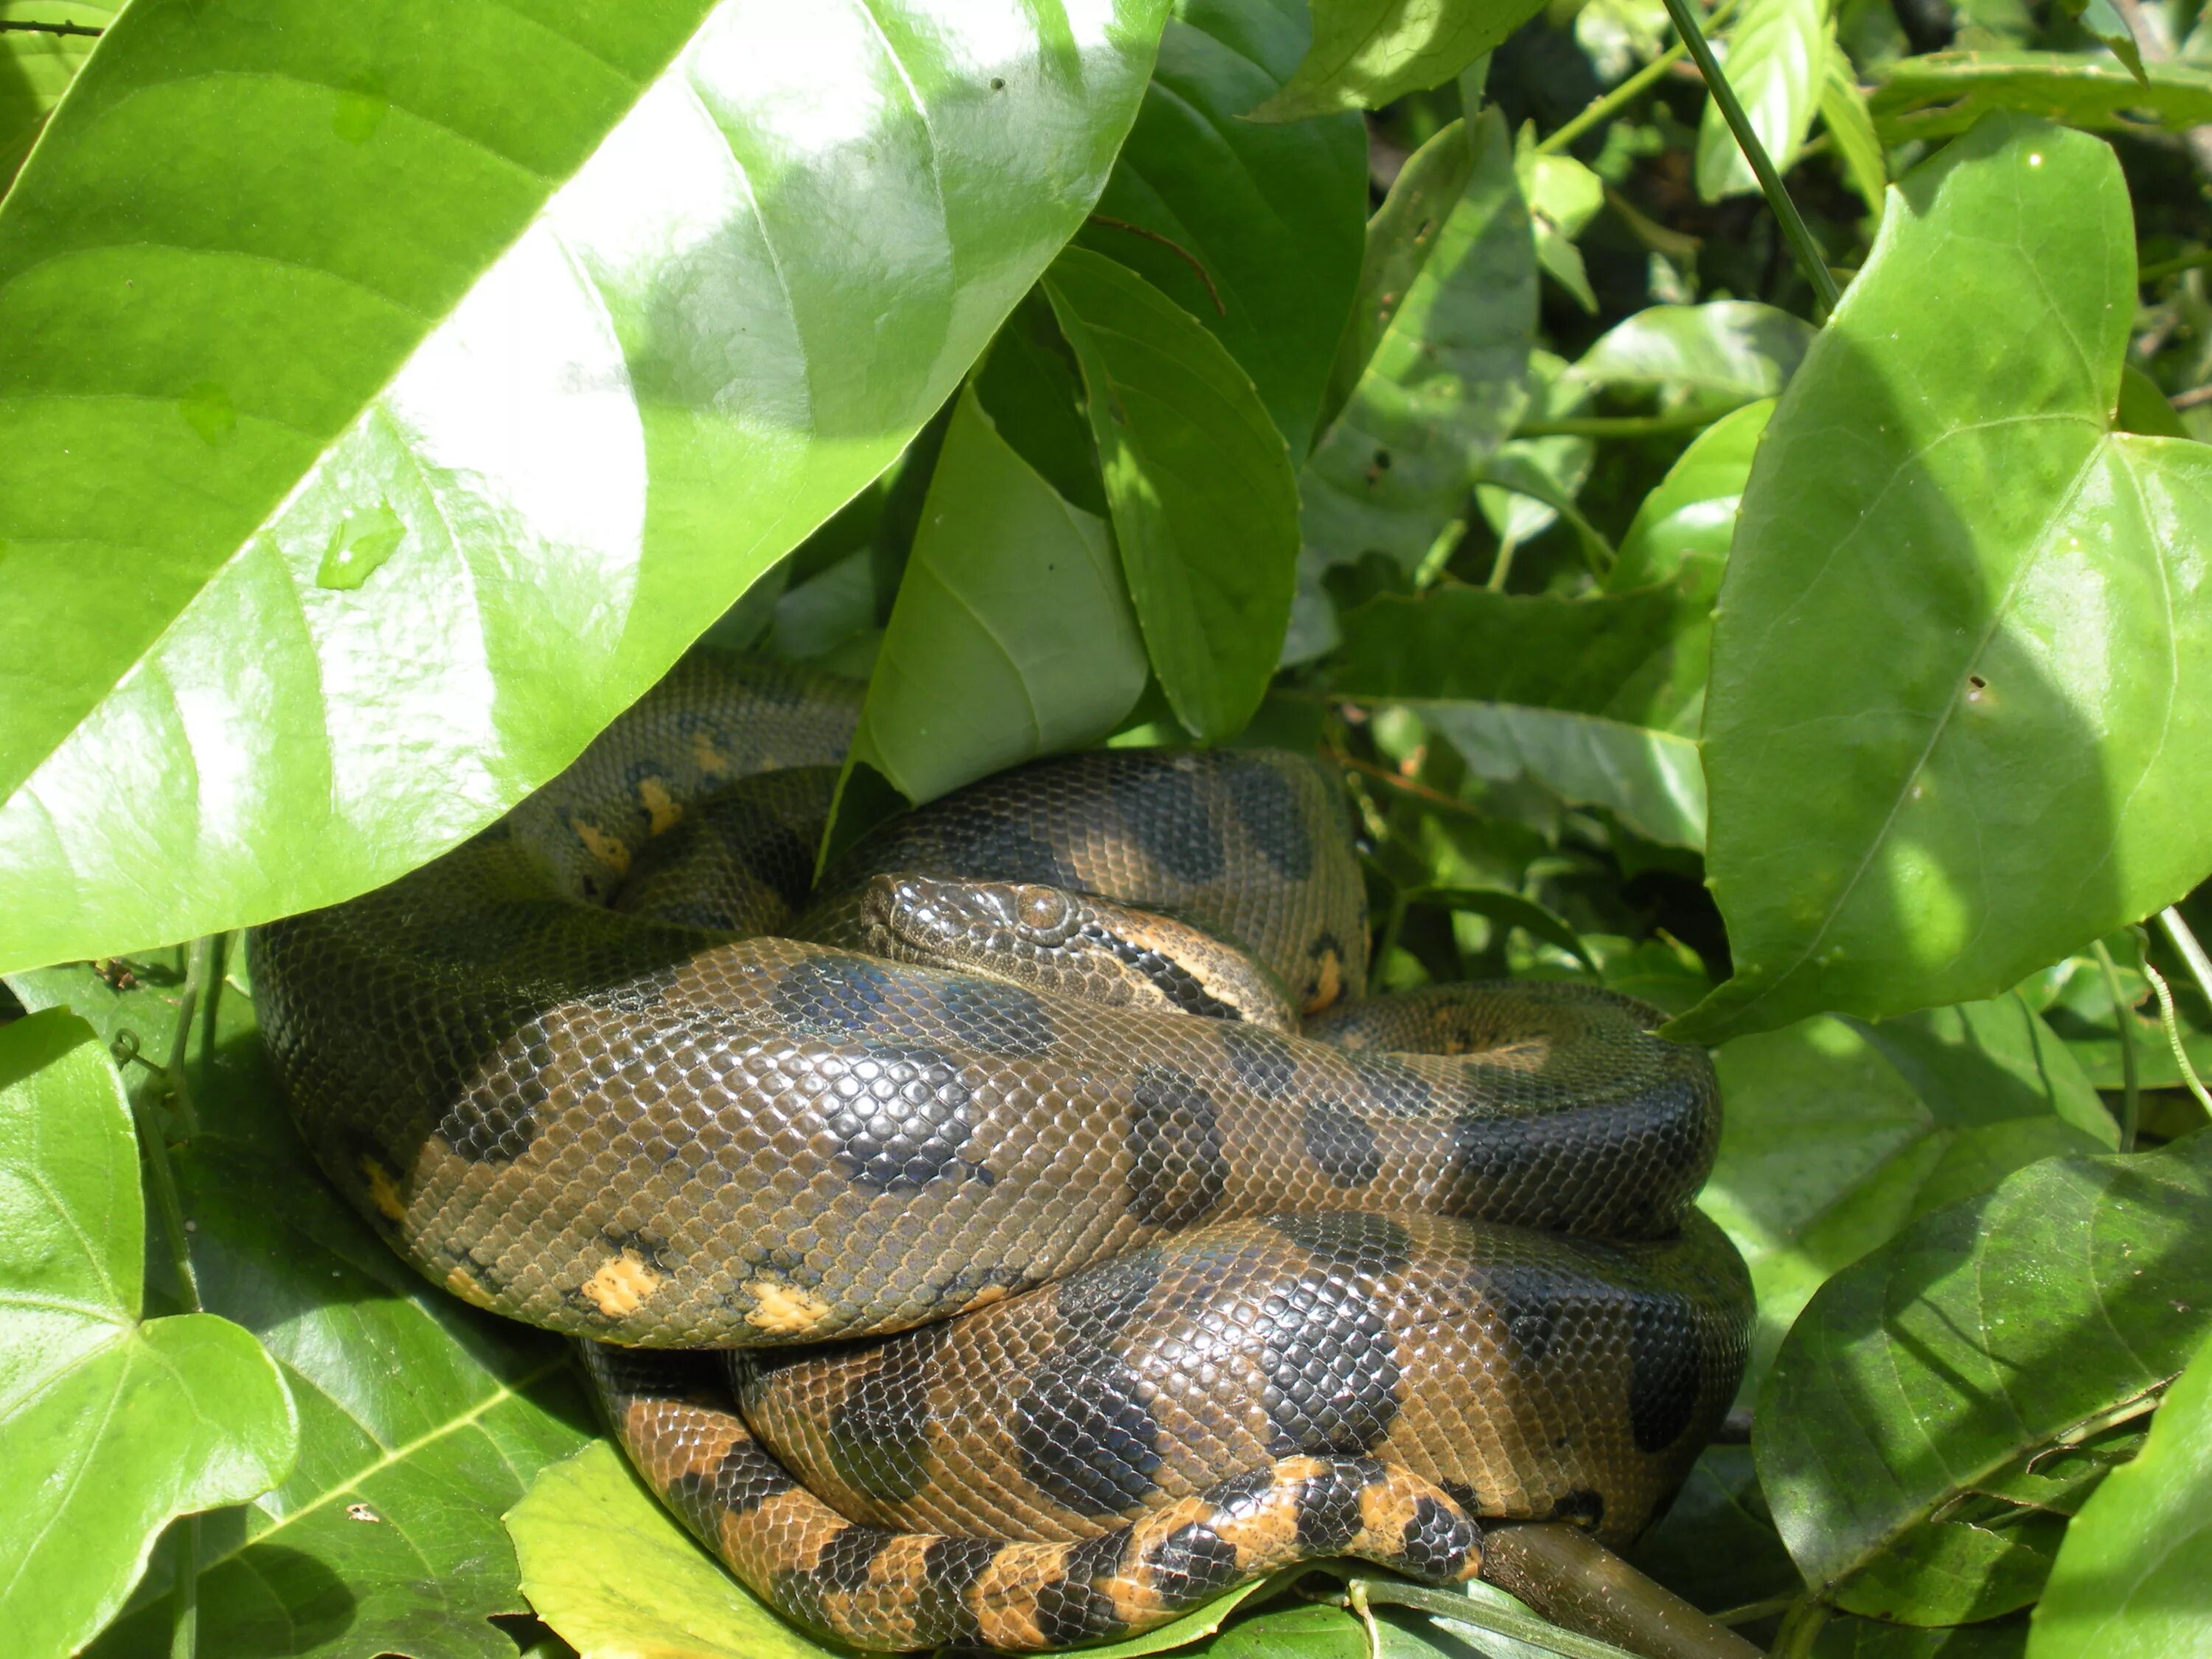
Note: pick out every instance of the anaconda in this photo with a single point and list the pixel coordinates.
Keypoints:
(1077, 1248)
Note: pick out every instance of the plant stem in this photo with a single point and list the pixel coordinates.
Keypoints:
(2177, 930)
(1800, 1627)
(1607, 105)
(1810, 259)
(1614, 426)
(2123, 1019)
(199, 964)
(2172, 1026)
(2175, 266)
(1502, 566)
(50, 28)
(185, 1602)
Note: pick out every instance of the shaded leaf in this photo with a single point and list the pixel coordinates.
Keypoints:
(1366, 52)
(1204, 499)
(1012, 635)
(1995, 1325)
(109, 1424)
(1713, 356)
(1510, 910)
(1777, 60)
(1436, 359)
(1945, 93)
(1563, 196)
(493, 390)
(1716, 1545)
(1844, 1637)
(419, 1417)
(1650, 780)
(1277, 215)
(1838, 1133)
(2129, 1583)
(1843, 112)
(1916, 713)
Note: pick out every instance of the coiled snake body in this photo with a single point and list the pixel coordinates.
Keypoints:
(1228, 1295)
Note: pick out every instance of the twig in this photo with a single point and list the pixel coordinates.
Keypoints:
(2191, 398)
(198, 962)
(86, 29)
(1615, 426)
(2165, 1018)
(1609, 104)
(1810, 260)
(1172, 246)
(2175, 266)
(2124, 1020)
(1398, 780)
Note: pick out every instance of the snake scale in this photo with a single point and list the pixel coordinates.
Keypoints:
(1067, 1265)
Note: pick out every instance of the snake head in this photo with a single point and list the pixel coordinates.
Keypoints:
(967, 923)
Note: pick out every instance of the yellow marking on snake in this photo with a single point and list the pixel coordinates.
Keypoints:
(383, 1192)
(708, 759)
(602, 846)
(665, 812)
(1331, 982)
(781, 1309)
(621, 1285)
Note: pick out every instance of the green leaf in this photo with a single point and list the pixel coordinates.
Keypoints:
(606, 1567)
(1366, 52)
(1993, 1326)
(35, 69)
(604, 324)
(1649, 780)
(1276, 215)
(2129, 1583)
(1510, 910)
(1777, 57)
(2102, 21)
(2143, 407)
(109, 1424)
(1716, 1544)
(1012, 635)
(1838, 1133)
(1307, 1632)
(1918, 713)
(1945, 93)
(1843, 112)
(1844, 1637)
(1204, 499)
(1562, 197)
(419, 1418)
(1435, 363)
(1712, 357)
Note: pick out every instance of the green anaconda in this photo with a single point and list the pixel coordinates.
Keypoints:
(1060, 1287)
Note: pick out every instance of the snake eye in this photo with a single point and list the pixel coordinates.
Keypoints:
(1044, 909)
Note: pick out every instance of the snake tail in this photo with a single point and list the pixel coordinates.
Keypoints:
(881, 1588)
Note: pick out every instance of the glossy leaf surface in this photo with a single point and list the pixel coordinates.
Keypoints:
(1204, 501)
(1275, 216)
(1960, 642)
(1777, 60)
(1944, 93)
(419, 1418)
(1714, 355)
(1366, 52)
(355, 469)
(109, 1424)
(1432, 370)
(1988, 1328)
(2130, 1579)
(1012, 635)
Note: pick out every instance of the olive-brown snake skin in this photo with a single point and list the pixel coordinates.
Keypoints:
(1231, 1293)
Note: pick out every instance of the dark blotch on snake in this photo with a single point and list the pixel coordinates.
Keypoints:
(1583, 1507)
(1072, 1610)
(1343, 1145)
(1527, 1299)
(998, 1019)
(950, 1568)
(1331, 1368)
(878, 1432)
(900, 1113)
(1662, 1375)
(831, 995)
(1353, 1241)
(1261, 1059)
(495, 1128)
(1163, 812)
(1191, 1562)
(1098, 1301)
(843, 1564)
(1083, 1437)
(744, 1478)
(1329, 1509)
(1435, 1542)
(1178, 1170)
(1267, 807)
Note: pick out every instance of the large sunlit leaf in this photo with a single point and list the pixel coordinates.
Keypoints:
(1961, 715)
(1839, 1133)
(1987, 1329)
(1432, 371)
(390, 391)
(109, 1424)
(1366, 52)
(36, 69)
(1275, 216)
(1777, 57)
(2130, 1579)
(1204, 501)
(420, 1418)
(1943, 93)
(1011, 636)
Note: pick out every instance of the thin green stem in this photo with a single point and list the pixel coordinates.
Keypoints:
(1607, 105)
(1801, 1627)
(1615, 426)
(185, 1602)
(2175, 266)
(1810, 259)
(163, 1181)
(199, 965)
(2176, 932)
(1502, 566)
(2123, 1019)
(2172, 1027)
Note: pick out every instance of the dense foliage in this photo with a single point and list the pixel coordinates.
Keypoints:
(391, 391)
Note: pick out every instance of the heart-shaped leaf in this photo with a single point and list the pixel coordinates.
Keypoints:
(355, 469)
